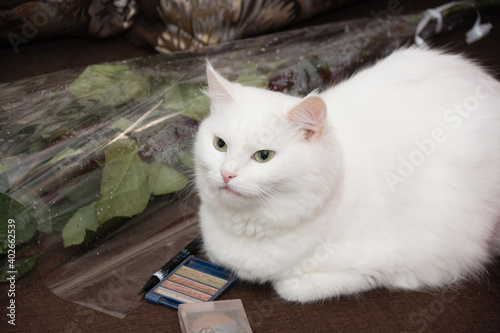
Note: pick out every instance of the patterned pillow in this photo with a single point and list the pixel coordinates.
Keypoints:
(191, 24)
(168, 25)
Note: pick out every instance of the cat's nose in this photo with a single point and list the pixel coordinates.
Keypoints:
(227, 176)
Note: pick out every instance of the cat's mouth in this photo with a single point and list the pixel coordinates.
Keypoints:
(230, 190)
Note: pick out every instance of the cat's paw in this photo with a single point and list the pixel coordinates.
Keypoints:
(319, 286)
(296, 289)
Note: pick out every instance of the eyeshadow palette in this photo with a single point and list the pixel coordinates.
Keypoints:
(193, 281)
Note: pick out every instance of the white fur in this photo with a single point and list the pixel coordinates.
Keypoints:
(343, 213)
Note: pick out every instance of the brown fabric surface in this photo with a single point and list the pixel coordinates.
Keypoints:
(470, 307)
(38, 58)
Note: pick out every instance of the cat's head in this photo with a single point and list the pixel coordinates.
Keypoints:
(264, 153)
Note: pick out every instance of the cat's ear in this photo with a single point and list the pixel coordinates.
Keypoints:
(219, 89)
(310, 115)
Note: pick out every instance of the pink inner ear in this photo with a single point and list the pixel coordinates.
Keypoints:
(311, 116)
(218, 87)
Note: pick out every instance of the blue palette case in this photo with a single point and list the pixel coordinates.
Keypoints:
(193, 281)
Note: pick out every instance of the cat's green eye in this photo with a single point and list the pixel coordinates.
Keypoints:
(263, 156)
(219, 144)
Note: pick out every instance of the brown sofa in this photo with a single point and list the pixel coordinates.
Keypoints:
(472, 306)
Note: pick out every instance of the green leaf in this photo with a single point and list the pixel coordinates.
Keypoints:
(84, 187)
(188, 99)
(81, 190)
(76, 228)
(109, 84)
(164, 180)
(187, 158)
(124, 186)
(121, 124)
(2, 168)
(22, 266)
(24, 224)
(66, 152)
(36, 147)
(252, 74)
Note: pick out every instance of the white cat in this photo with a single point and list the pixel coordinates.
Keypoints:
(389, 179)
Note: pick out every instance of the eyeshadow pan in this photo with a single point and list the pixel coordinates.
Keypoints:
(193, 284)
(201, 277)
(175, 295)
(186, 290)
